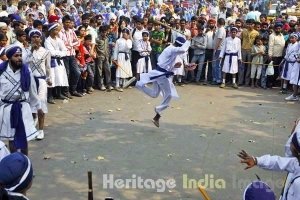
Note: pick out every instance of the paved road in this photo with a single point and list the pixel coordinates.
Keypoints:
(111, 134)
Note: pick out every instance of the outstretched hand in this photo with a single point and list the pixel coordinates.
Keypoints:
(248, 159)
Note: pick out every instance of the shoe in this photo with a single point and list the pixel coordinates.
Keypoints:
(235, 86)
(67, 94)
(51, 101)
(222, 85)
(205, 83)
(155, 120)
(118, 89)
(292, 98)
(283, 91)
(76, 94)
(180, 84)
(89, 92)
(102, 88)
(41, 135)
(214, 83)
(61, 97)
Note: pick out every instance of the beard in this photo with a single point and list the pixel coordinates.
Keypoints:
(16, 64)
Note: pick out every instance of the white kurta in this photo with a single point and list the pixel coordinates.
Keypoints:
(295, 74)
(231, 46)
(162, 84)
(8, 80)
(39, 62)
(291, 51)
(144, 48)
(57, 49)
(124, 70)
(3, 150)
(288, 164)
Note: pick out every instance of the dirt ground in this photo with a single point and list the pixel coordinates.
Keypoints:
(111, 134)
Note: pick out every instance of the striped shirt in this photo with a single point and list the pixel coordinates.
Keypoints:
(70, 39)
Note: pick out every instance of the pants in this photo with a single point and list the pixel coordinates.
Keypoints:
(135, 56)
(245, 68)
(208, 57)
(102, 64)
(217, 69)
(161, 85)
(91, 75)
(200, 60)
(154, 58)
(73, 72)
(256, 69)
(277, 70)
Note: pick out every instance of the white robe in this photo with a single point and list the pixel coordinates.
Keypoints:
(124, 70)
(291, 51)
(231, 45)
(31, 101)
(57, 49)
(39, 63)
(162, 84)
(144, 48)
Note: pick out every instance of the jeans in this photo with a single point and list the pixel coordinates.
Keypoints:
(73, 72)
(200, 60)
(208, 58)
(217, 69)
(154, 58)
(102, 64)
(245, 68)
(263, 77)
(91, 75)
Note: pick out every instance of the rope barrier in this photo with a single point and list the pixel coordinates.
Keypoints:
(241, 61)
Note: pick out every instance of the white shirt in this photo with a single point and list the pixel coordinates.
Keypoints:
(137, 35)
(93, 32)
(167, 58)
(231, 45)
(12, 9)
(209, 40)
(292, 51)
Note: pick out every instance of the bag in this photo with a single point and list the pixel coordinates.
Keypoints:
(270, 69)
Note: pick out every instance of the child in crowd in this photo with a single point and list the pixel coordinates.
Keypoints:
(144, 48)
(257, 52)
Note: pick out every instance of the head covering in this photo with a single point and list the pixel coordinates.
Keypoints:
(294, 35)
(3, 24)
(258, 190)
(16, 172)
(179, 41)
(53, 18)
(145, 32)
(35, 32)
(211, 21)
(296, 141)
(292, 18)
(126, 30)
(286, 27)
(11, 50)
(15, 17)
(52, 26)
(278, 24)
(234, 28)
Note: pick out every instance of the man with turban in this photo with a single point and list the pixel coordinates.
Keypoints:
(16, 176)
(161, 77)
(18, 95)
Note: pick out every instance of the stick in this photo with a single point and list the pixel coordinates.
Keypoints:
(90, 182)
(204, 193)
(130, 80)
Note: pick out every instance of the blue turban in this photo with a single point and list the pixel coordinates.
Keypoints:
(180, 41)
(11, 50)
(278, 24)
(16, 172)
(15, 17)
(52, 26)
(35, 32)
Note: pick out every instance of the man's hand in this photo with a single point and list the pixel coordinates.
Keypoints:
(188, 37)
(248, 159)
(40, 113)
(177, 65)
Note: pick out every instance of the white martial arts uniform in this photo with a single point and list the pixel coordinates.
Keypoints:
(3, 150)
(231, 49)
(58, 50)
(121, 52)
(290, 61)
(11, 91)
(39, 62)
(144, 48)
(161, 82)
